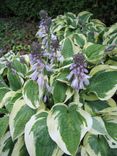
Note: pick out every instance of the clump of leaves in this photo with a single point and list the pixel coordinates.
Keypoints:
(60, 99)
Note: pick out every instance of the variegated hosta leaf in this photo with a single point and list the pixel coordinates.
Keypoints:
(83, 17)
(108, 112)
(79, 39)
(71, 20)
(110, 120)
(67, 49)
(20, 115)
(98, 127)
(15, 80)
(37, 139)
(20, 148)
(96, 145)
(103, 84)
(4, 59)
(94, 52)
(6, 145)
(102, 67)
(3, 91)
(31, 94)
(67, 126)
(110, 36)
(2, 83)
(4, 121)
(94, 106)
(8, 96)
(59, 92)
(10, 99)
(21, 68)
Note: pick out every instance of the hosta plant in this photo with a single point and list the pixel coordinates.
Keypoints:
(61, 98)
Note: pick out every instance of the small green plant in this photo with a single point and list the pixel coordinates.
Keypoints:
(61, 98)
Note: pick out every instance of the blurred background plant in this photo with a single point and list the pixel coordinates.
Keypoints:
(18, 18)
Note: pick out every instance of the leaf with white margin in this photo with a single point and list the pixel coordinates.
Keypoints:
(20, 148)
(7, 97)
(37, 139)
(110, 111)
(15, 81)
(9, 102)
(102, 79)
(19, 116)
(6, 145)
(98, 126)
(67, 126)
(3, 91)
(94, 106)
(102, 67)
(31, 94)
(93, 52)
(96, 145)
(84, 17)
(3, 125)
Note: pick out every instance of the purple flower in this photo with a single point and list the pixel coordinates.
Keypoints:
(37, 67)
(78, 73)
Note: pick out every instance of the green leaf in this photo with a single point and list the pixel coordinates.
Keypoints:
(67, 50)
(20, 148)
(6, 145)
(31, 94)
(15, 80)
(19, 116)
(10, 99)
(2, 83)
(93, 107)
(94, 52)
(103, 84)
(37, 139)
(98, 127)
(3, 91)
(3, 125)
(84, 17)
(59, 92)
(96, 145)
(79, 39)
(21, 68)
(67, 126)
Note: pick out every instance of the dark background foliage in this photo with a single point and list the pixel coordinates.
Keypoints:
(19, 18)
(106, 10)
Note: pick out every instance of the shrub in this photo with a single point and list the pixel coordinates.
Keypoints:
(30, 8)
(60, 99)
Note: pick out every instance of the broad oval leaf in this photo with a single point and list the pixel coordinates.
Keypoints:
(6, 145)
(67, 126)
(3, 91)
(4, 121)
(31, 94)
(20, 148)
(59, 92)
(94, 52)
(67, 50)
(21, 68)
(15, 80)
(84, 17)
(20, 115)
(103, 84)
(96, 145)
(37, 139)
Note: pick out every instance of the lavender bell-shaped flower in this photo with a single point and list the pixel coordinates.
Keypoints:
(78, 73)
(38, 66)
(55, 54)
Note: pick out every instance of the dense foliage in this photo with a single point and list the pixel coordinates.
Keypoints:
(60, 99)
(23, 8)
